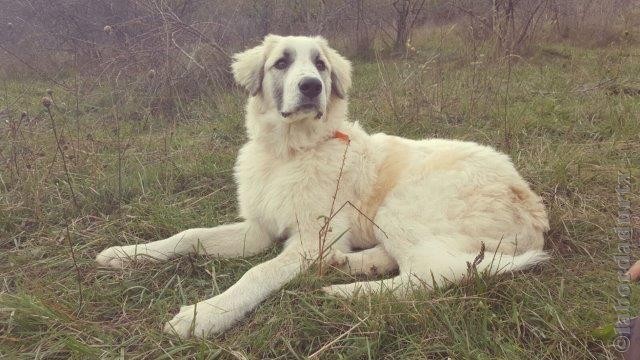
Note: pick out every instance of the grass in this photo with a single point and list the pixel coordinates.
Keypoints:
(553, 112)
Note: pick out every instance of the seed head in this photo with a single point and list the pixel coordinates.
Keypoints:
(47, 102)
(23, 115)
(49, 92)
(107, 29)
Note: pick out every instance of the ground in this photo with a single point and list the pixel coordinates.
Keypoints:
(568, 116)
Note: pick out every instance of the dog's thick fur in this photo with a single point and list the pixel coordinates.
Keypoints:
(435, 204)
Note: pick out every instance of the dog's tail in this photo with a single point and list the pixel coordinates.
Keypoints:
(450, 266)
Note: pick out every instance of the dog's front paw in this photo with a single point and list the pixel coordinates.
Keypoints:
(122, 256)
(184, 323)
(115, 257)
(200, 320)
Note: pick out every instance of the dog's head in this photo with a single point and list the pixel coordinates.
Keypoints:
(298, 76)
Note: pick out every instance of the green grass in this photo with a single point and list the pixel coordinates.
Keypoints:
(553, 112)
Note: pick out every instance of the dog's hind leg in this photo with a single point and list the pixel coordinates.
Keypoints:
(233, 240)
(371, 262)
(439, 265)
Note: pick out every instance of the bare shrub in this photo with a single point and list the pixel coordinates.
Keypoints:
(407, 12)
(595, 23)
(187, 43)
(510, 24)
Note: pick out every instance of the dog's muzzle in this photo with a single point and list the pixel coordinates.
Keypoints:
(310, 108)
(310, 88)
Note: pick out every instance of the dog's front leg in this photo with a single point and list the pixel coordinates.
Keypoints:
(232, 240)
(222, 311)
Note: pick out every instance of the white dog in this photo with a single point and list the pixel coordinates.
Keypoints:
(423, 208)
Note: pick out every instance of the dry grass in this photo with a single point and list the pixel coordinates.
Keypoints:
(139, 177)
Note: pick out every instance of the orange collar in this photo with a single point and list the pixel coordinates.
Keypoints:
(341, 136)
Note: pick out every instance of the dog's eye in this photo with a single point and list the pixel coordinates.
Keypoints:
(281, 64)
(320, 65)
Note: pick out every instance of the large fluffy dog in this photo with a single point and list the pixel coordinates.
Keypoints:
(424, 208)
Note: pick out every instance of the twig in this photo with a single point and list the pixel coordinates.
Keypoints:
(77, 98)
(324, 230)
(118, 138)
(507, 132)
(75, 265)
(47, 104)
(327, 345)
(14, 151)
(478, 259)
(360, 212)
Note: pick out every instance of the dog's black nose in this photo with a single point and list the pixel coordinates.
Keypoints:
(310, 87)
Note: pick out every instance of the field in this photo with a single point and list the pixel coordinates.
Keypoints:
(116, 173)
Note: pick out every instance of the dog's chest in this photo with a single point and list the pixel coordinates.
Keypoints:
(281, 192)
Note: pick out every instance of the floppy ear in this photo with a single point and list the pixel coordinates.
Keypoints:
(248, 66)
(340, 69)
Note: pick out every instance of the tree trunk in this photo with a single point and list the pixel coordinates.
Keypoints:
(402, 8)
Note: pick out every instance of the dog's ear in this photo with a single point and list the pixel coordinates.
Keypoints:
(248, 66)
(340, 69)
